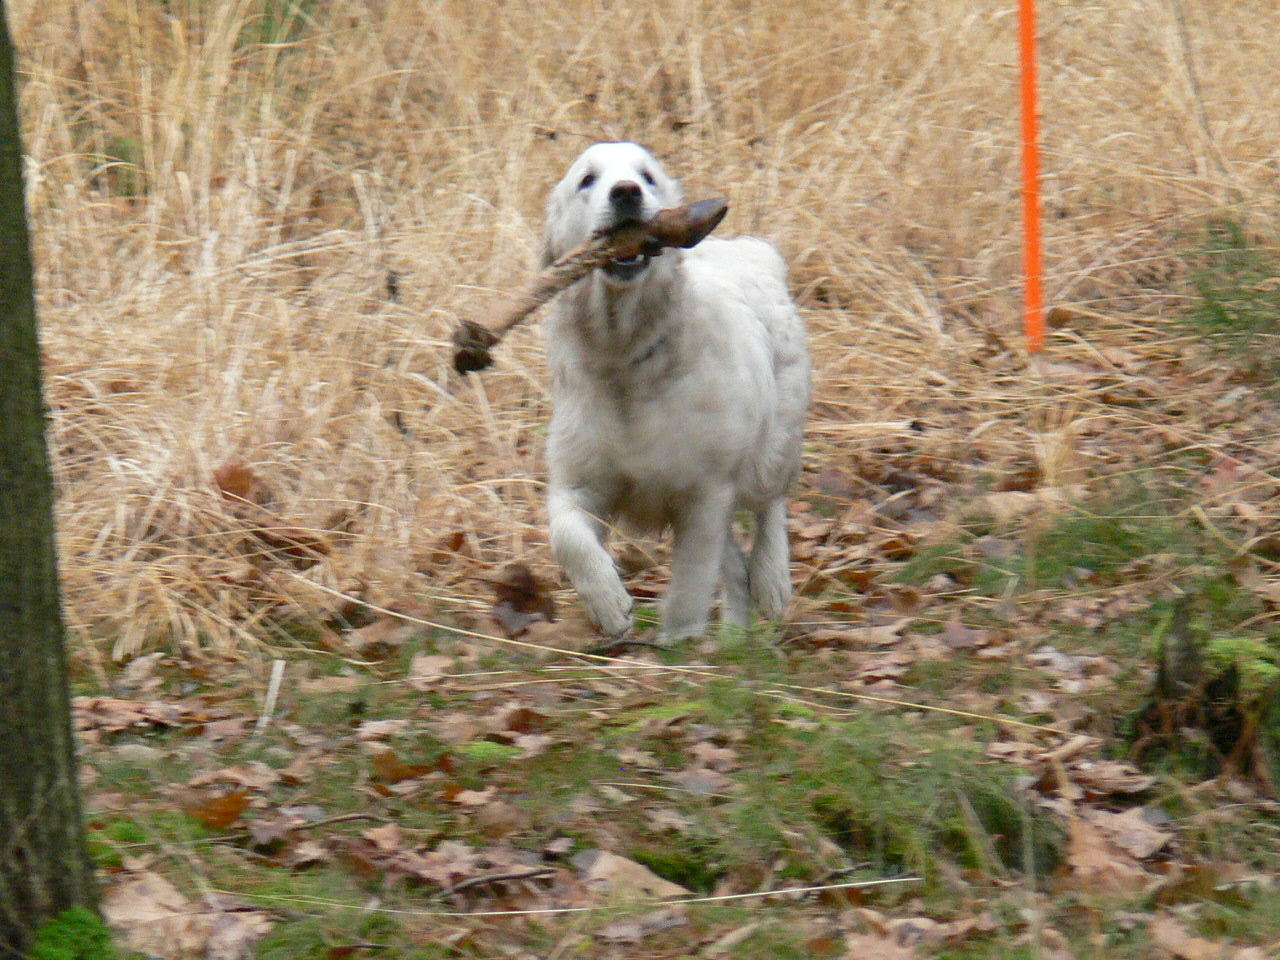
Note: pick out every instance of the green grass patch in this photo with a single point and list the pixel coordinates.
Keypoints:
(75, 934)
(486, 752)
(1236, 308)
(1093, 540)
(888, 793)
(689, 864)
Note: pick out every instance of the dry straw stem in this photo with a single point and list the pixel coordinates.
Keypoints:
(225, 196)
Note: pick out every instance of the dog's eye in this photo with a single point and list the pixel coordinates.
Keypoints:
(648, 178)
(587, 181)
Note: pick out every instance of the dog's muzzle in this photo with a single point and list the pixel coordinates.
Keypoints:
(627, 270)
(626, 201)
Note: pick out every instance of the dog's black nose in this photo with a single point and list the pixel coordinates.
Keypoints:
(626, 196)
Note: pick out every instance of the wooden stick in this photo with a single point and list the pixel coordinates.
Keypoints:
(685, 226)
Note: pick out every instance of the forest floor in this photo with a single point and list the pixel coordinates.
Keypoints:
(333, 696)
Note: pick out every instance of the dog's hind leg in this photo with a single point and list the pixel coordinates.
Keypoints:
(769, 569)
(577, 541)
(735, 603)
(696, 563)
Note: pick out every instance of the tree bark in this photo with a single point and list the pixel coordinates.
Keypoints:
(44, 863)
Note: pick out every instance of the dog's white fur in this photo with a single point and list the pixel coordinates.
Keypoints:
(680, 386)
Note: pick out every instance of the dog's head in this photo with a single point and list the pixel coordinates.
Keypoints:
(610, 183)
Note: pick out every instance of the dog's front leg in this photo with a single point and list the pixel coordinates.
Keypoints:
(695, 566)
(577, 542)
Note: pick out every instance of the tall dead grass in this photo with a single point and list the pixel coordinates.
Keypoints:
(222, 192)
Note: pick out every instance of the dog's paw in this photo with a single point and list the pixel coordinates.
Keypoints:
(675, 631)
(611, 610)
(771, 597)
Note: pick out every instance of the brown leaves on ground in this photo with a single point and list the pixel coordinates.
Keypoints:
(453, 868)
(149, 915)
(609, 877)
(95, 716)
(520, 599)
(1094, 862)
(389, 768)
(1173, 938)
(631, 932)
(389, 631)
(243, 494)
(1071, 770)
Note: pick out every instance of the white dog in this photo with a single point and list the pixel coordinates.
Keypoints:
(680, 384)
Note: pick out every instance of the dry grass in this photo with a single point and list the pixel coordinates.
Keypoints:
(219, 288)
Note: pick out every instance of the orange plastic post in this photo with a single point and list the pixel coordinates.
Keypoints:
(1032, 254)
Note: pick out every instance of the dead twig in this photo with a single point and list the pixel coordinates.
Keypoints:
(531, 874)
(685, 227)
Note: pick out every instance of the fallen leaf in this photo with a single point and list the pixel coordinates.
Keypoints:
(702, 781)
(218, 811)
(255, 775)
(1130, 831)
(269, 833)
(427, 668)
(959, 637)
(532, 744)
(150, 916)
(520, 599)
(910, 931)
(112, 715)
(874, 946)
(308, 853)
(612, 876)
(633, 931)
(389, 768)
(1172, 937)
(1104, 777)
(387, 838)
(380, 638)
(499, 819)
(381, 729)
(517, 718)
(474, 798)
(455, 727)
(853, 635)
(667, 818)
(715, 758)
(449, 863)
(1094, 862)
(236, 481)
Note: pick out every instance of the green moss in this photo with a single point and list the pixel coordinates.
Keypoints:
(75, 934)
(1256, 663)
(688, 865)
(487, 752)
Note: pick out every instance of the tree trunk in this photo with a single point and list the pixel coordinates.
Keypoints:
(44, 864)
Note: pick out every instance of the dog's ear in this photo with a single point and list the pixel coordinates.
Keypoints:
(550, 248)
